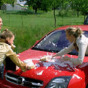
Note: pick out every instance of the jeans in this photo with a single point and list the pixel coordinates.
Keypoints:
(2, 71)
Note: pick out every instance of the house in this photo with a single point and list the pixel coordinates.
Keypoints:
(21, 2)
(9, 7)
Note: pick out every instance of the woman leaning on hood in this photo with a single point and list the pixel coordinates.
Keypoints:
(79, 42)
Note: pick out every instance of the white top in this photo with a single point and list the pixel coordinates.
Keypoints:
(82, 43)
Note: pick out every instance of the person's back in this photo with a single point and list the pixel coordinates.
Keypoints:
(3, 51)
(83, 40)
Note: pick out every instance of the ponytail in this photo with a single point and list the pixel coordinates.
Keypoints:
(74, 31)
(78, 32)
(5, 34)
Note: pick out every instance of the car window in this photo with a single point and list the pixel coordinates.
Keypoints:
(86, 33)
(55, 41)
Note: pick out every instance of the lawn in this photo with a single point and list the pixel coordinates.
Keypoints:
(28, 28)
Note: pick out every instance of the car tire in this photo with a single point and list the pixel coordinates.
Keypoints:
(87, 86)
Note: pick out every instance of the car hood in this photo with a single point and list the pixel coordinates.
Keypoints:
(45, 70)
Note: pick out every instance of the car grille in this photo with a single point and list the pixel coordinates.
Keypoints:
(18, 80)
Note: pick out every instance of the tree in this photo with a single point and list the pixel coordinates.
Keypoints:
(57, 4)
(84, 8)
(39, 4)
(36, 4)
(46, 5)
(54, 6)
(8, 1)
(80, 6)
(1, 3)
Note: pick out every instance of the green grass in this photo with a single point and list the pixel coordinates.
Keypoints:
(30, 27)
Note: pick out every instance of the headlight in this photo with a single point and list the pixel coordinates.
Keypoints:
(59, 82)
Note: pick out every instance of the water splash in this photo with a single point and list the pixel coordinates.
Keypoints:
(57, 63)
(78, 77)
(40, 73)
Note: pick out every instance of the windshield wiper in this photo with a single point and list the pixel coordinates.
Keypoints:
(54, 51)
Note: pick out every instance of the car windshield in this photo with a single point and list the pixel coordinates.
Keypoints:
(54, 42)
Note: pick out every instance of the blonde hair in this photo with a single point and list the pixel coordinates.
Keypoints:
(75, 31)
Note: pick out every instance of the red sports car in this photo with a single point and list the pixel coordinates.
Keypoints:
(50, 74)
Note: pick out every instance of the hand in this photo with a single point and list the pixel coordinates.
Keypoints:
(65, 58)
(23, 67)
(52, 57)
(30, 67)
(13, 46)
(44, 59)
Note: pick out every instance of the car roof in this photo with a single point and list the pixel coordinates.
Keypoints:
(83, 27)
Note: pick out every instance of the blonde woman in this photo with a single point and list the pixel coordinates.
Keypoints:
(79, 42)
